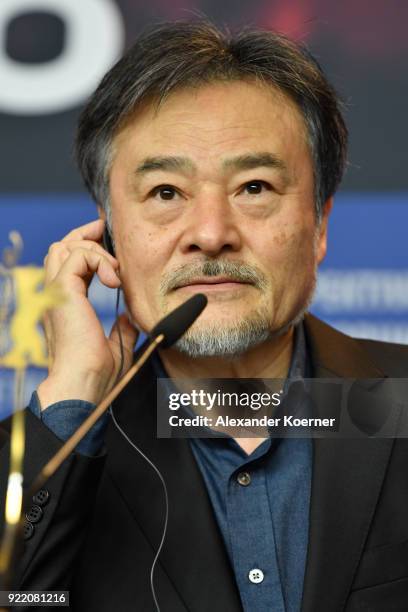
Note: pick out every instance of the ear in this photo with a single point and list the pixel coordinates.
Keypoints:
(322, 230)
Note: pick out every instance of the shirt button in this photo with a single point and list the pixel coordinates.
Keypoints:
(244, 479)
(256, 576)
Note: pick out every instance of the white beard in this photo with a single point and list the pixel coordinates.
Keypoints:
(235, 340)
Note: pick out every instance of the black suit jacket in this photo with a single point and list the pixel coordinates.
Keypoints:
(102, 524)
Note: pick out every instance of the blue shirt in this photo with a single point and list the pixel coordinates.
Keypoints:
(261, 501)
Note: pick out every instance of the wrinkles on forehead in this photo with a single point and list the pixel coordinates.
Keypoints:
(184, 165)
(228, 127)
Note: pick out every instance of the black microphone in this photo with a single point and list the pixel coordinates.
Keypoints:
(175, 324)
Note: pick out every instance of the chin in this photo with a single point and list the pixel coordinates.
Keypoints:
(214, 337)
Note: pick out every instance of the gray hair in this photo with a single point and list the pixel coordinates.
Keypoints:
(172, 56)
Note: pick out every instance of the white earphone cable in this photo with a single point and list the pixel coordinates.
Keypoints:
(152, 465)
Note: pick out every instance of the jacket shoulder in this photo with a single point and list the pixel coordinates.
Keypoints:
(390, 357)
(332, 351)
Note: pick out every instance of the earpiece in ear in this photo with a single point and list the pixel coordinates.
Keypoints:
(107, 242)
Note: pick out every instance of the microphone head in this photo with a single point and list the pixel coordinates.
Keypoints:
(175, 324)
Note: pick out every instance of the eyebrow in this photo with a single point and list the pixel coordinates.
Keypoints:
(254, 160)
(247, 161)
(175, 163)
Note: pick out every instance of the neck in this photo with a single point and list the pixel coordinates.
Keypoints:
(268, 360)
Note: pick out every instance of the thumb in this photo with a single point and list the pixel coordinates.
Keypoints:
(129, 335)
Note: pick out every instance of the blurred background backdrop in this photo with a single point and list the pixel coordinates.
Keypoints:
(52, 55)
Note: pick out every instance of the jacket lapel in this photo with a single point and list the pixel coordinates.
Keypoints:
(347, 477)
(194, 556)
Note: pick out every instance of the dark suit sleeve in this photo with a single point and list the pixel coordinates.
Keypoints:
(47, 560)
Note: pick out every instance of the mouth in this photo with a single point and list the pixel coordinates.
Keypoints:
(213, 284)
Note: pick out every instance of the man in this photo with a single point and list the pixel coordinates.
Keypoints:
(213, 160)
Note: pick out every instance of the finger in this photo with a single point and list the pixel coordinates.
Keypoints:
(60, 251)
(89, 231)
(53, 261)
(93, 246)
(79, 267)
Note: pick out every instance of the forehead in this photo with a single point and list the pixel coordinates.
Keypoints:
(214, 121)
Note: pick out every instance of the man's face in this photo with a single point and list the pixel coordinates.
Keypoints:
(214, 193)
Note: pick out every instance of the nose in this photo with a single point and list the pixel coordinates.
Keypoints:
(211, 228)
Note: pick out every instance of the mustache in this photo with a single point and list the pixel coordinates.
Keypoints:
(234, 270)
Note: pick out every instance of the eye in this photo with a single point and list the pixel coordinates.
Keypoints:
(256, 187)
(165, 192)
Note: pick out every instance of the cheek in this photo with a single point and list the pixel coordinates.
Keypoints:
(134, 253)
(291, 245)
(134, 242)
(283, 241)
(143, 257)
